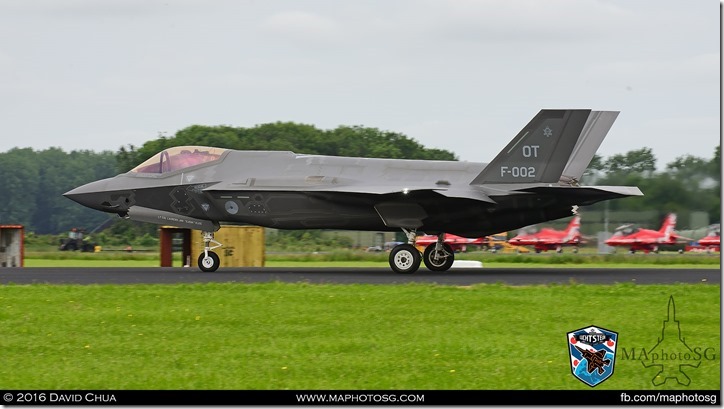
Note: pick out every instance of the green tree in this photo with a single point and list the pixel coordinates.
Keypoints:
(687, 184)
(355, 141)
(19, 171)
(641, 160)
(33, 184)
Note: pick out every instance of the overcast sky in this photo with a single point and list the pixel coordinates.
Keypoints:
(461, 75)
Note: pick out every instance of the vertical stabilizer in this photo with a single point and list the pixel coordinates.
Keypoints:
(668, 226)
(540, 151)
(573, 229)
(593, 133)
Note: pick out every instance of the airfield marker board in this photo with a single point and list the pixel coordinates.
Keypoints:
(12, 250)
(242, 246)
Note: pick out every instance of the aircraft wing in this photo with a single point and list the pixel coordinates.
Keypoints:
(290, 185)
(682, 239)
(625, 240)
(472, 192)
(479, 192)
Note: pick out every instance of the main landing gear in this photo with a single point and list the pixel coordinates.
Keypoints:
(208, 260)
(406, 258)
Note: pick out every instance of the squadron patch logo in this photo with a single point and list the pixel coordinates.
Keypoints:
(592, 352)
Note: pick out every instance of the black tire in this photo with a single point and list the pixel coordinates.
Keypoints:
(209, 264)
(405, 259)
(442, 264)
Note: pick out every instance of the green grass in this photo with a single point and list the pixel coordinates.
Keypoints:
(298, 336)
(37, 262)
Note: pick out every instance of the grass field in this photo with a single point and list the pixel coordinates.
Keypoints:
(298, 336)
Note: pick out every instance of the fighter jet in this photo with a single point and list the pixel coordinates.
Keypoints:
(456, 243)
(712, 240)
(596, 359)
(647, 240)
(552, 239)
(534, 179)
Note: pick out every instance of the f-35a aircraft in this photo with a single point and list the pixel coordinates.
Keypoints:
(534, 179)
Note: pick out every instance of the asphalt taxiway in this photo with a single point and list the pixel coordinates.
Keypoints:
(318, 275)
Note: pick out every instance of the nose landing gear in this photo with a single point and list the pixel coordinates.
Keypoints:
(208, 260)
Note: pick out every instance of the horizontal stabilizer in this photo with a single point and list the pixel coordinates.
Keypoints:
(585, 195)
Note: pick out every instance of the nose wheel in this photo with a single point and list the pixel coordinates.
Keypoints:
(208, 260)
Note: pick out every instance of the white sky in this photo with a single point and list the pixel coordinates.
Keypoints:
(461, 75)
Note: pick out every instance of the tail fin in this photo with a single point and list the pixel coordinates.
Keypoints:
(555, 146)
(574, 228)
(593, 133)
(668, 226)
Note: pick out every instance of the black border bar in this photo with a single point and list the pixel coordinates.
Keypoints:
(359, 397)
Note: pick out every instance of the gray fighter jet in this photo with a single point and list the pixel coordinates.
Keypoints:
(534, 179)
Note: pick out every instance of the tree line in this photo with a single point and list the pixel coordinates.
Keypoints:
(33, 182)
(687, 184)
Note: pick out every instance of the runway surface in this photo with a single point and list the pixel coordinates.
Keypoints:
(462, 276)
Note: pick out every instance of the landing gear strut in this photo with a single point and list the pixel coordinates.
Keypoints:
(208, 260)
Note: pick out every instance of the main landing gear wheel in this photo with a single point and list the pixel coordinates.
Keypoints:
(405, 259)
(209, 261)
(438, 260)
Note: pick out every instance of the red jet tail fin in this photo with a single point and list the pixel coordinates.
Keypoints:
(574, 228)
(668, 226)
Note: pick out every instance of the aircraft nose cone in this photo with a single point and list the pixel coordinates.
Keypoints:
(91, 195)
(86, 194)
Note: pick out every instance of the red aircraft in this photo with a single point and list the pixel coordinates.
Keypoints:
(456, 243)
(712, 241)
(636, 238)
(551, 239)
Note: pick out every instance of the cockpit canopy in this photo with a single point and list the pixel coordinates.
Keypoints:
(626, 230)
(177, 158)
(714, 230)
